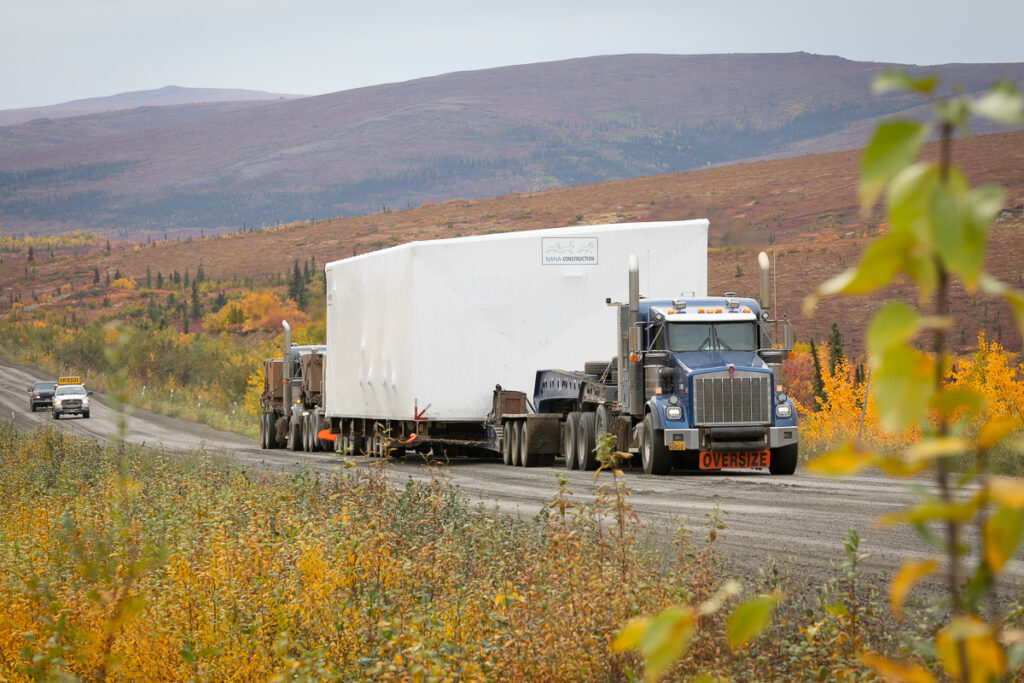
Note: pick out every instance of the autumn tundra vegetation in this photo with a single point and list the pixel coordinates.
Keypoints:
(124, 563)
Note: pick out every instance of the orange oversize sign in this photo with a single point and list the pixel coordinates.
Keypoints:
(743, 459)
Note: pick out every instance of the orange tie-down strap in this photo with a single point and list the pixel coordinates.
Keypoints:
(325, 435)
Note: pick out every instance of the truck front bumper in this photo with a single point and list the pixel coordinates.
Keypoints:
(689, 439)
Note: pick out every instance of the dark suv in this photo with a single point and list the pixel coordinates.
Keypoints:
(71, 399)
(41, 395)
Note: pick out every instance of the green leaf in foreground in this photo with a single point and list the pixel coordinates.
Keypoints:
(661, 640)
(893, 147)
(1002, 104)
(904, 385)
(894, 80)
(750, 618)
(896, 323)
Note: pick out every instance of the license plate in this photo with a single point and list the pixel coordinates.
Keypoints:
(742, 459)
(677, 445)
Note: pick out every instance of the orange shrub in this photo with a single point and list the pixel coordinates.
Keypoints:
(995, 374)
(255, 311)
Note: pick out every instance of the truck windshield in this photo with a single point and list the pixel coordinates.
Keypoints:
(737, 336)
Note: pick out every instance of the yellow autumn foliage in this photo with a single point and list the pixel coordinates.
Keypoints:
(256, 311)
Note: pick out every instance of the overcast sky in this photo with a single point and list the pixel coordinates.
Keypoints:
(52, 51)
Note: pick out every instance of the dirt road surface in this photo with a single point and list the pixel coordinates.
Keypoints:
(796, 522)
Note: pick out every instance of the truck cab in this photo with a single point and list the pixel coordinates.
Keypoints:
(712, 387)
(696, 384)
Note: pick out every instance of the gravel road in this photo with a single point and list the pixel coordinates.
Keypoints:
(798, 521)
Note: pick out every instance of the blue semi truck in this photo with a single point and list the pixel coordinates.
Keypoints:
(697, 384)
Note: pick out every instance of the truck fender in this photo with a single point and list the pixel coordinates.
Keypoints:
(652, 408)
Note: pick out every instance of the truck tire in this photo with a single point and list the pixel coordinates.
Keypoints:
(272, 440)
(783, 460)
(308, 436)
(586, 442)
(572, 425)
(654, 454)
(526, 459)
(263, 431)
(295, 436)
(513, 442)
(56, 415)
(506, 445)
(85, 415)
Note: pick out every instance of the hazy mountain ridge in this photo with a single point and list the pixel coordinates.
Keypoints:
(169, 95)
(467, 134)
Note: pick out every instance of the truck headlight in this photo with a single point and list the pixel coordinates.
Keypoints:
(783, 410)
(85, 401)
(673, 413)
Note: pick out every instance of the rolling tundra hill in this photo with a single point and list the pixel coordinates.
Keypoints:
(802, 210)
(463, 135)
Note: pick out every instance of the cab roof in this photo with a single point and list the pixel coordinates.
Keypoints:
(707, 309)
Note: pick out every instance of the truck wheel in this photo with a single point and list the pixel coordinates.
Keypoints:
(784, 459)
(506, 445)
(85, 415)
(572, 425)
(56, 415)
(586, 442)
(603, 424)
(307, 433)
(264, 443)
(272, 440)
(526, 459)
(295, 436)
(513, 442)
(653, 452)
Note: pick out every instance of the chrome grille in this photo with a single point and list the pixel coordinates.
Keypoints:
(744, 398)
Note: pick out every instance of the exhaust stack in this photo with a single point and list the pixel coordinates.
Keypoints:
(636, 373)
(765, 266)
(287, 368)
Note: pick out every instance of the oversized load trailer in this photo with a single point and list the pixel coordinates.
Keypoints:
(419, 336)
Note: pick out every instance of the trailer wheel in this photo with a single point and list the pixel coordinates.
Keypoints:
(654, 453)
(784, 459)
(586, 442)
(309, 429)
(513, 441)
(572, 425)
(272, 441)
(506, 446)
(603, 420)
(526, 459)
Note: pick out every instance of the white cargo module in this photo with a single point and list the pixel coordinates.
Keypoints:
(427, 329)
